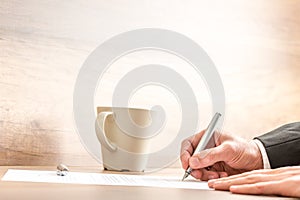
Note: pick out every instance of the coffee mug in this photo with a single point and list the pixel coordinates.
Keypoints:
(124, 135)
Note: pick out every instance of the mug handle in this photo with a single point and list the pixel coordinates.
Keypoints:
(100, 131)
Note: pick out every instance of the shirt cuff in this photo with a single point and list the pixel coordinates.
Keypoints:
(264, 154)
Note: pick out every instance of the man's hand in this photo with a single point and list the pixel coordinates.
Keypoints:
(283, 181)
(232, 155)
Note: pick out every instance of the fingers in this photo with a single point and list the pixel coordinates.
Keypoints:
(187, 148)
(251, 179)
(233, 177)
(254, 177)
(286, 187)
(205, 175)
(211, 156)
(273, 187)
(285, 171)
(223, 174)
(185, 154)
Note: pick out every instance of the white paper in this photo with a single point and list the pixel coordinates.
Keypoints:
(102, 179)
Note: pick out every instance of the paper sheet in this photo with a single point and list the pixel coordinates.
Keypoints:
(102, 179)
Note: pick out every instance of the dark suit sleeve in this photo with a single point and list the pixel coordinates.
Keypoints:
(283, 145)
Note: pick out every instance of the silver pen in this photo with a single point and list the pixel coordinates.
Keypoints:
(204, 140)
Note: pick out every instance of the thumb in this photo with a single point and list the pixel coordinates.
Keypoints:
(208, 157)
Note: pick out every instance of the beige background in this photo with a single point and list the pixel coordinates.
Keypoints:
(254, 44)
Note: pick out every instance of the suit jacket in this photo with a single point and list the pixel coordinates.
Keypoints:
(283, 145)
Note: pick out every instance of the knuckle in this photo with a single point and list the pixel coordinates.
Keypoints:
(184, 155)
(260, 187)
(253, 178)
(183, 142)
(229, 148)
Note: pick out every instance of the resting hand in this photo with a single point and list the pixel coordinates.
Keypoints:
(282, 181)
(232, 155)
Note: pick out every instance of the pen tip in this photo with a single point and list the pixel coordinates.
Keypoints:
(185, 176)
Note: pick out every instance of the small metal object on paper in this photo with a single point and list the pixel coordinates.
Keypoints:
(62, 170)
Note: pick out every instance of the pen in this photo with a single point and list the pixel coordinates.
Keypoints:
(204, 140)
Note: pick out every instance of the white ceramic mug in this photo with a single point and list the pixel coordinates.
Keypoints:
(124, 150)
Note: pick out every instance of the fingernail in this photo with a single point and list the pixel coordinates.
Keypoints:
(211, 177)
(233, 188)
(211, 183)
(194, 161)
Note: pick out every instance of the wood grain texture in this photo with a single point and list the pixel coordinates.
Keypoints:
(254, 44)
